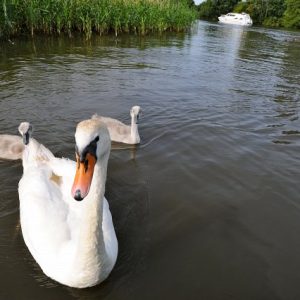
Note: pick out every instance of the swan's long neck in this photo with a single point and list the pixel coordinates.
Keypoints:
(91, 247)
(134, 129)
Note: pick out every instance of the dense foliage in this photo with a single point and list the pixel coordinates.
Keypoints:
(273, 13)
(291, 16)
(101, 16)
(211, 9)
(266, 12)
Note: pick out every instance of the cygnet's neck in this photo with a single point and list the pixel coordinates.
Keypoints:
(134, 130)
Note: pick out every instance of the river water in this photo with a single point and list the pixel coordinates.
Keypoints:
(208, 205)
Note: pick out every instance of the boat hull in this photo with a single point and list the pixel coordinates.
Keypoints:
(236, 19)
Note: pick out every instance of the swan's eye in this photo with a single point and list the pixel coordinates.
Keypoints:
(96, 139)
(86, 165)
(77, 161)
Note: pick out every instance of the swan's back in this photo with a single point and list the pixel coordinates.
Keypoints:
(11, 147)
(120, 132)
(117, 130)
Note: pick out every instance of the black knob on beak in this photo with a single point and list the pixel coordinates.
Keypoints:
(78, 195)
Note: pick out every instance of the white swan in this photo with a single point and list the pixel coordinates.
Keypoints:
(119, 132)
(74, 242)
(11, 147)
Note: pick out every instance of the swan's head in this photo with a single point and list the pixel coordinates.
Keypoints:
(25, 129)
(135, 113)
(92, 145)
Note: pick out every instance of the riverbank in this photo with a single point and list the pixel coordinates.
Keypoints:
(87, 16)
(279, 13)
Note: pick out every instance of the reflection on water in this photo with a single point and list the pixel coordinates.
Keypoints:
(208, 205)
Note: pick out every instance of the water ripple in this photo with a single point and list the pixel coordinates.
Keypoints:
(215, 179)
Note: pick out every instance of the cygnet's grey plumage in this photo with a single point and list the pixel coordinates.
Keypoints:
(11, 147)
(120, 132)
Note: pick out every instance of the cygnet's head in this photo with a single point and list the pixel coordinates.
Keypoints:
(25, 129)
(135, 112)
(92, 145)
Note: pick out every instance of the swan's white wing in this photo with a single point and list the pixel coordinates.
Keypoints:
(110, 239)
(36, 155)
(63, 171)
(43, 213)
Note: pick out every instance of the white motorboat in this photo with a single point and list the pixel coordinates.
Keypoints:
(236, 18)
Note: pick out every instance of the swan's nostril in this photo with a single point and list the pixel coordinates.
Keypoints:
(77, 195)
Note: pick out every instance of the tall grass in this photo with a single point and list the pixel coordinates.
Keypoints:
(87, 16)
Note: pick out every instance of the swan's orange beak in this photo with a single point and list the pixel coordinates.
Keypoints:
(83, 177)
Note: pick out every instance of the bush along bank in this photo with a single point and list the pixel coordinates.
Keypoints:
(87, 16)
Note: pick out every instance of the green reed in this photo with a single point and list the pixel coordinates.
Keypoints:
(87, 16)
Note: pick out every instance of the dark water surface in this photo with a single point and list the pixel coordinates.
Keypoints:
(208, 206)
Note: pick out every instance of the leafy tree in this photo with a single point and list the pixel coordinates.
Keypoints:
(266, 12)
(225, 6)
(207, 10)
(273, 13)
(191, 3)
(292, 14)
(211, 9)
(241, 7)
